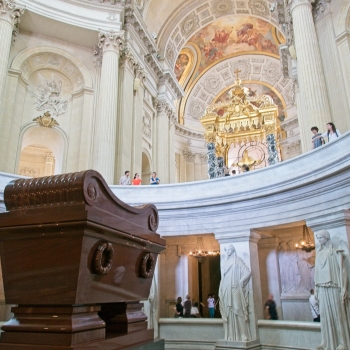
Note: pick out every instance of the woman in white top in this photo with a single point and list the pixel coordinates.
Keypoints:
(331, 134)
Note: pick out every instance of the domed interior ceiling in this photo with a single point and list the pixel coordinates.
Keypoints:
(206, 64)
(228, 36)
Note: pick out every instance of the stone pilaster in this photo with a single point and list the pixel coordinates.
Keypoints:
(138, 120)
(10, 15)
(172, 167)
(313, 91)
(161, 148)
(111, 44)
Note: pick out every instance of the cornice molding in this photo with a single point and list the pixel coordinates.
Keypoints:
(181, 130)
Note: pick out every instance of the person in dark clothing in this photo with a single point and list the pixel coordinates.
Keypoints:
(178, 308)
(187, 306)
(270, 308)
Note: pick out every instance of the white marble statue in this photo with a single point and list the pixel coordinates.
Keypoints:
(233, 294)
(332, 288)
(150, 307)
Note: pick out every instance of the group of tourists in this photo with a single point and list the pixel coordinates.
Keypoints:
(136, 181)
(330, 135)
(189, 309)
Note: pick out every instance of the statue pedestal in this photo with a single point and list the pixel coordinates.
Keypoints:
(77, 261)
(233, 345)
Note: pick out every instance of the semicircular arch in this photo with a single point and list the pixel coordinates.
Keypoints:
(188, 20)
(47, 57)
(253, 69)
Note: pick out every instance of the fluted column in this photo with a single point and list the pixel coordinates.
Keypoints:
(9, 19)
(334, 76)
(172, 167)
(161, 148)
(111, 44)
(313, 91)
(137, 120)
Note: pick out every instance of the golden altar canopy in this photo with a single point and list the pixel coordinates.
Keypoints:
(240, 120)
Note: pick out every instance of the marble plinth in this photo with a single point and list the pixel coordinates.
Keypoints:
(233, 345)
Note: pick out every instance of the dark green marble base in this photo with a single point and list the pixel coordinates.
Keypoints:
(157, 344)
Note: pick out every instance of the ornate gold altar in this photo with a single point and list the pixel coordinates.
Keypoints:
(242, 119)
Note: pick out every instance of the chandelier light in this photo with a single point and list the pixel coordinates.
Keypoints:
(200, 253)
(306, 243)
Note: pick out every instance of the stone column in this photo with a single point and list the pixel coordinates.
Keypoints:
(311, 79)
(9, 20)
(212, 174)
(49, 164)
(111, 44)
(172, 168)
(125, 122)
(340, 107)
(272, 149)
(161, 146)
(138, 121)
(239, 263)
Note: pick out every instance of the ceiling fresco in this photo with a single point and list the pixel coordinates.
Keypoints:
(227, 36)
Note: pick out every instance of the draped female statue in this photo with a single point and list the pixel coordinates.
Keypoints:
(332, 287)
(233, 294)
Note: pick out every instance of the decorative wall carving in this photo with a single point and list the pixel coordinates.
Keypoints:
(319, 8)
(147, 126)
(163, 106)
(48, 97)
(111, 40)
(27, 172)
(189, 24)
(12, 12)
(272, 72)
(188, 155)
(259, 7)
(294, 147)
(222, 7)
(297, 269)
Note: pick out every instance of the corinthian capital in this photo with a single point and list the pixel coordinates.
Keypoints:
(11, 12)
(296, 3)
(110, 41)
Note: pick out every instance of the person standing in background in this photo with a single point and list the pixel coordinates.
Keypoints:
(124, 180)
(136, 181)
(211, 305)
(154, 179)
(315, 311)
(270, 308)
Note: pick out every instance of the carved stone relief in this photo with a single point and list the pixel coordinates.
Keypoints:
(297, 269)
(222, 7)
(188, 155)
(48, 97)
(189, 24)
(259, 7)
(147, 126)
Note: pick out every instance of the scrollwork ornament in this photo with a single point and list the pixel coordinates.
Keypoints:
(103, 257)
(153, 221)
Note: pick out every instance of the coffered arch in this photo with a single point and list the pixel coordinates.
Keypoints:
(254, 69)
(46, 57)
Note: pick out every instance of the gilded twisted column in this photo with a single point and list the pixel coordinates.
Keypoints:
(10, 15)
(311, 79)
(111, 44)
